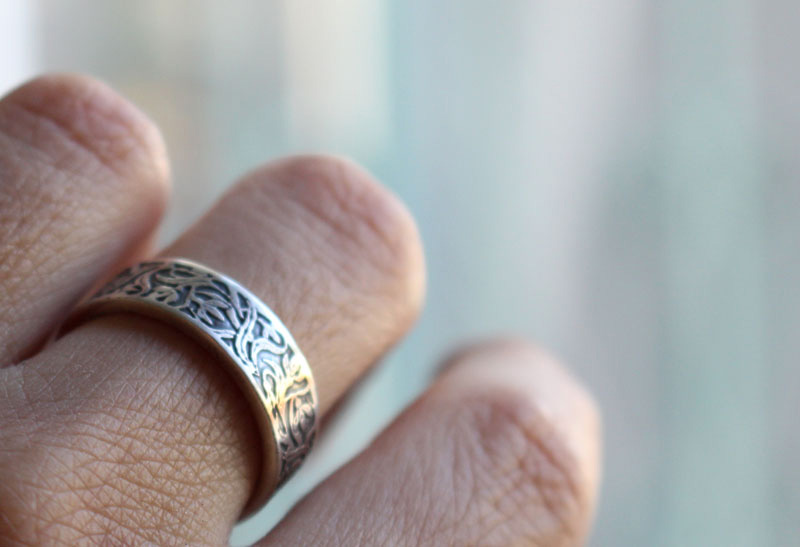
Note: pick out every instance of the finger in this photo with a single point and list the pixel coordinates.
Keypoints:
(332, 252)
(82, 181)
(139, 435)
(502, 450)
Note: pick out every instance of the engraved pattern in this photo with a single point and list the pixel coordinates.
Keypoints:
(250, 333)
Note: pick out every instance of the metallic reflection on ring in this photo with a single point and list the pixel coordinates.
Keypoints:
(235, 325)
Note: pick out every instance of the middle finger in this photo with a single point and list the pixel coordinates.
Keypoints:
(131, 430)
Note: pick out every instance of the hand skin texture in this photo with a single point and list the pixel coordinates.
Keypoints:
(123, 431)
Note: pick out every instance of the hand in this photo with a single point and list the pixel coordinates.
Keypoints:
(124, 431)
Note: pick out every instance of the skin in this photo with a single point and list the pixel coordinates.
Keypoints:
(123, 431)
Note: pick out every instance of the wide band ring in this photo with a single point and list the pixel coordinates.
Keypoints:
(237, 327)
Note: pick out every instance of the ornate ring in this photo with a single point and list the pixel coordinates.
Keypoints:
(236, 326)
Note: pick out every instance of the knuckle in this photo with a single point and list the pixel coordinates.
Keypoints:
(67, 113)
(525, 480)
(352, 203)
(76, 158)
(367, 224)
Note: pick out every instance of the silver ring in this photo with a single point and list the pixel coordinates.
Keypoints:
(235, 325)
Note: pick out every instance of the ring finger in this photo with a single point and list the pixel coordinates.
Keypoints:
(124, 428)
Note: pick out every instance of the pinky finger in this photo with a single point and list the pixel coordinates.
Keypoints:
(502, 450)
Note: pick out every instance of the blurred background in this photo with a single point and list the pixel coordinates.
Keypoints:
(616, 179)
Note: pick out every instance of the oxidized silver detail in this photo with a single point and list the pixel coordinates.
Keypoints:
(228, 316)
